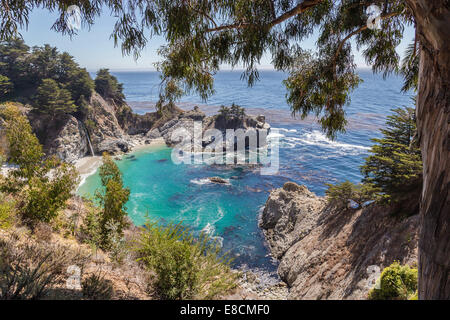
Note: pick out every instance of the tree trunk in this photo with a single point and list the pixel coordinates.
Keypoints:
(433, 119)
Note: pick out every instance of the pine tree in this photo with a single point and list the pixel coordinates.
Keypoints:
(51, 99)
(395, 166)
(108, 86)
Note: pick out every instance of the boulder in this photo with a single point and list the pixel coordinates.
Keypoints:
(218, 180)
(113, 146)
(153, 134)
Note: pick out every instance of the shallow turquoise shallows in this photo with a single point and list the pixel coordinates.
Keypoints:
(167, 192)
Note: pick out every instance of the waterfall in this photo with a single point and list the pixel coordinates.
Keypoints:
(88, 139)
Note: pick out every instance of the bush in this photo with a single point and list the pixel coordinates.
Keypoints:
(90, 230)
(6, 86)
(185, 267)
(396, 282)
(42, 185)
(342, 195)
(31, 271)
(44, 197)
(96, 287)
(6, 213)
(232, 113)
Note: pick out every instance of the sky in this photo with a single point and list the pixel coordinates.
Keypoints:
(93, 49)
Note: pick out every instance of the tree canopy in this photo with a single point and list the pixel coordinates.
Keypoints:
(203, 34)
(395, 165)
(108, 86)
(50, 81)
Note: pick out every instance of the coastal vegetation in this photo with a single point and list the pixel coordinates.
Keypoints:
(393, 171)
(203, 35)
(396, 282)
(41, 185)
(35, 193)
(186, 267)
(50, 81)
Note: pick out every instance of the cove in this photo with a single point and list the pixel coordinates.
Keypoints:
(165, 192)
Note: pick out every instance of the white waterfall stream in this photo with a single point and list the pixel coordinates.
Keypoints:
(88, 139)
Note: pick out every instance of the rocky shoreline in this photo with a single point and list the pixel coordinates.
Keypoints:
(325, 253)
(322, 253)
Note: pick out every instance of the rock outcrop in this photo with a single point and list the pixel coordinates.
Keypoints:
(186, 120)
(325, 254)
(102, 127)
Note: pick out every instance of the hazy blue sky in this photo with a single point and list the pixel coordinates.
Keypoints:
(93, 49)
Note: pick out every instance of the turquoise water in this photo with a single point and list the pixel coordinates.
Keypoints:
(180, 193)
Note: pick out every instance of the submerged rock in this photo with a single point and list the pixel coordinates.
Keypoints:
(218, 180)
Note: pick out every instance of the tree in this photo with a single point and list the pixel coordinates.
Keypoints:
(395, 166)
(42, 185)
(53, 100)
(24, 149)
(346, 194)
(26, 70)
(108, 86)
(6, 86)
(112, 198)
(201, 35)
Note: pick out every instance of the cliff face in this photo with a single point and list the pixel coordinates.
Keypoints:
(105, 127)
(326, 254)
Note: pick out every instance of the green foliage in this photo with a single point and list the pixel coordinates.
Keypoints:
(90, 229)
(203, 35)
(44, 197)
(7, 212)
(43, 185)
(232, 113)
(52, 100)
(108, 86)
(26, 73)
(395, 166)
(410, 67)
(169, 95)
(117, 245)
(24, 148)
(342, 195)
(6, 87)
(396, 282)
(185, 267)
(96, 287)
(112, 199)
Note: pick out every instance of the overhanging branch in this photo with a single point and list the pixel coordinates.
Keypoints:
(300, 8)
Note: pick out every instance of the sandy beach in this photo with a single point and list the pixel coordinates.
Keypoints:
(87, 166)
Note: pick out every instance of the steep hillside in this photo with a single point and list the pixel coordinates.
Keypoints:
(325, 254)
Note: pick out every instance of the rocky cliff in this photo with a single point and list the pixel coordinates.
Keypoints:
(102, 126)
(325, 254)
(105, 126)
(186, 121)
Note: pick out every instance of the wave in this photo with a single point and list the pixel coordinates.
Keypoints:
(319, 139)
(286, 130)
(201, 181)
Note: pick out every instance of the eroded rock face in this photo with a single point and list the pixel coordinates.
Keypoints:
(71, 142)
(325, 254)
(184, 123)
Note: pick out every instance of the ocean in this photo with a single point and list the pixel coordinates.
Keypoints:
(164, 191)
